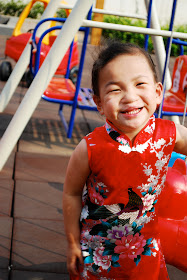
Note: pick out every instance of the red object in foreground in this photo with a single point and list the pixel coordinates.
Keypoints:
(174, 241)
(173, 216)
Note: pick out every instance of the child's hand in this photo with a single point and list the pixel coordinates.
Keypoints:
(74, 259)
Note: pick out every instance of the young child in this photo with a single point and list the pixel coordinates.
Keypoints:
(111, 224)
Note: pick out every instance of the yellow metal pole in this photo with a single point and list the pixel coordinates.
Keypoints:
(97, 32)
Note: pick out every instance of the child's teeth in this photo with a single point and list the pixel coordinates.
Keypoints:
(133, 111)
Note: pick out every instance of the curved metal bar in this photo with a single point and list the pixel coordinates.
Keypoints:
(181, 44)
(45, 20)
(37, 59)
(38, 45)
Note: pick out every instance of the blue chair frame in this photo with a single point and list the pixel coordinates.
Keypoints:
(87, 101)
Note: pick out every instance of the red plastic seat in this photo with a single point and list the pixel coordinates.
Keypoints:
(61, 89)
(174, 99)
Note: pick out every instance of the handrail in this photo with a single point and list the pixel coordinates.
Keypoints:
(107, 12)
(134, 29)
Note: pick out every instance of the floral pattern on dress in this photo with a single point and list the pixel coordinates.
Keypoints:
(108, 242)
(117, 243)
(152, 189)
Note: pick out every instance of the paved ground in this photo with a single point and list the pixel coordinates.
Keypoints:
(32, 240)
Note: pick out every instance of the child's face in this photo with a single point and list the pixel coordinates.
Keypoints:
(128, 92)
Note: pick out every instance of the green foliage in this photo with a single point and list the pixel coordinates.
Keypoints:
(61, 13)
(37, 10)
(11, 8)
(126, 36)
(135, 37)
(15, 8)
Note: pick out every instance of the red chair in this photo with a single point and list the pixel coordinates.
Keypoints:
(174, 99)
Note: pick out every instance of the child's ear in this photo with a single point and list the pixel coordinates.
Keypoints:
(97, 101)
(159, 91)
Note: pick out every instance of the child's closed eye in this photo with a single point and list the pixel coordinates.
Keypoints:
(140, 84)
(114, 90)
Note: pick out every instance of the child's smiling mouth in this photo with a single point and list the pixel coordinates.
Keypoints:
(132, 111)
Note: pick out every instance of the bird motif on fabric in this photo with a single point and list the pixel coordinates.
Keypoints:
(123, 213)
(131, 211)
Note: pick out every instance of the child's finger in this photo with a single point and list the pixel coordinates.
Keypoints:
(72, 267)
(81, 260)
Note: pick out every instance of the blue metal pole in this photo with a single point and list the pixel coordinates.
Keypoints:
(148, 25)
(169, 39)
(69, 60)
(37, 59)
(181, 44)
(168, 50)
(71, 123)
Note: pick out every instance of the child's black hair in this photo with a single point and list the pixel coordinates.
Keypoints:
(111, 51)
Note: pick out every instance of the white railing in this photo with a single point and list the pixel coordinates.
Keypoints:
(134, 29)
(107, 12)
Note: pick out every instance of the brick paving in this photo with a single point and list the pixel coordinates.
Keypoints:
(32, 239)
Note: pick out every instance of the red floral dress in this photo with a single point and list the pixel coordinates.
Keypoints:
(119, 229)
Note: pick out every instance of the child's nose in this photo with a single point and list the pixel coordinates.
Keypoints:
(129, 96)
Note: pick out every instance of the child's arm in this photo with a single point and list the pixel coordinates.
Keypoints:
(76, 175)
(181, 139)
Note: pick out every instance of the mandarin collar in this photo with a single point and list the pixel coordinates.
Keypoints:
(143, 136)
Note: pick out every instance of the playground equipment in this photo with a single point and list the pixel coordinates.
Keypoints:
(17, 42)
(174, 102)
(72, 96)
(61, 90)
(175, 98)
(41, 81)
(23, 61)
